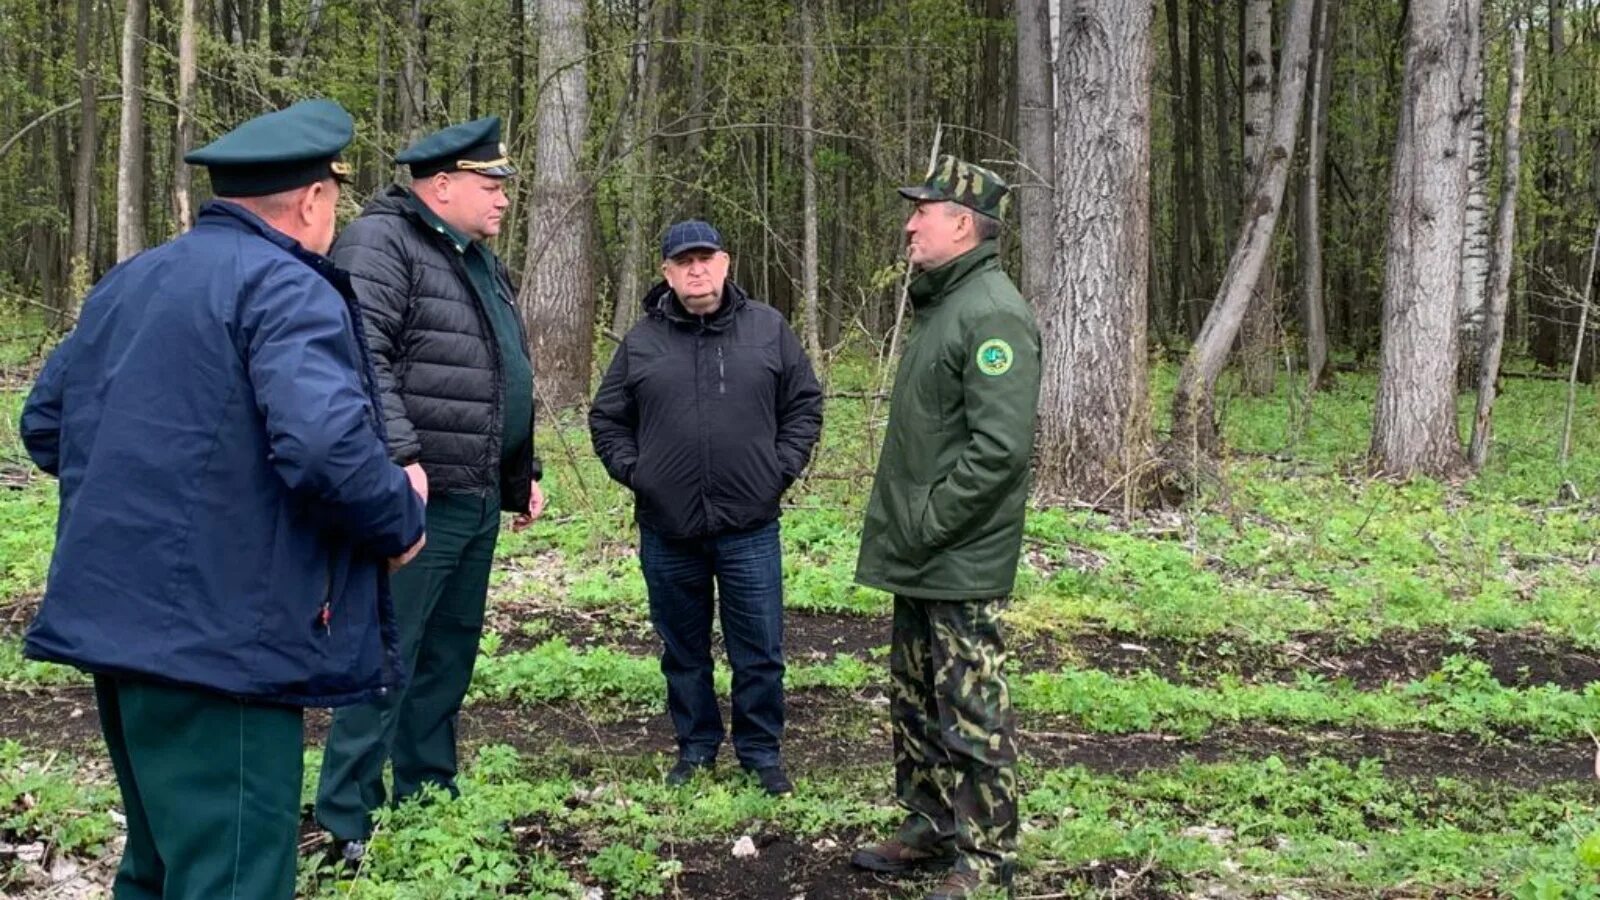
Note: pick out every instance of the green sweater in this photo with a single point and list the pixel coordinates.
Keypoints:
(945, 518)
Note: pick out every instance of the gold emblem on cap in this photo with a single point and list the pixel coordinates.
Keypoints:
(340, 169)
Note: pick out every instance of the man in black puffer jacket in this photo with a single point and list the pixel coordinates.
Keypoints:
(457, 389)
(708, 412)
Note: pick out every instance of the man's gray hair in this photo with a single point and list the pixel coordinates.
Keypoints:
(988, 226)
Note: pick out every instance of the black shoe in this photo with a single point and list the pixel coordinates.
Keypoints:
(773, 780)
(348, 854)
(685, 769)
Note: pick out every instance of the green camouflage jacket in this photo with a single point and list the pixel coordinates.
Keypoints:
(945, 518)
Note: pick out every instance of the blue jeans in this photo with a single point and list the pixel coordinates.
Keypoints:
(746, 569)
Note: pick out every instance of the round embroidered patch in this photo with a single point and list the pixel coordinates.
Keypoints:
(994, 357)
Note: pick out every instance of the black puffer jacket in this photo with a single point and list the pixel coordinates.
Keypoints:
(708, 419)
(437, 361)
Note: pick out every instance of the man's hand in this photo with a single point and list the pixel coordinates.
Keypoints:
(419, 481)
(395, 562)
(535, 508)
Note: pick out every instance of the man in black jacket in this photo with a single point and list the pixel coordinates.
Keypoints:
(457, 389)
(708, 413)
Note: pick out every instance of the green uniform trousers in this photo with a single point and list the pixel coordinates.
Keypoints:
(211, 790)
(955, 749)
(439, 599)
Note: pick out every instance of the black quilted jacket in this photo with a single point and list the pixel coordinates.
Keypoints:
(437, 361)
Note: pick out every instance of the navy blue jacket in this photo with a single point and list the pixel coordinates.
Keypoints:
(227, 502)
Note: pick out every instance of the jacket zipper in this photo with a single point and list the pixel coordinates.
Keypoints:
(325, 614)
(722, 383)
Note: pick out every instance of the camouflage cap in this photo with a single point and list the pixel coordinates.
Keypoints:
(961, 182)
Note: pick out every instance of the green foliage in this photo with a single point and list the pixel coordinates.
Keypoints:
(48, 801)
(1461, 698)
(633, 872)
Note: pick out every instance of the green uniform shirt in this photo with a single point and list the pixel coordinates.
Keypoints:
(945, 518)
(480, 262)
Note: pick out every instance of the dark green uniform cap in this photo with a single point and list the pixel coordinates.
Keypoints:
(279, 151)
(469, 147)
(974, 187)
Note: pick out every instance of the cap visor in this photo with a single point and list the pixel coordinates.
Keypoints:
(690, 245)
(506, 171)
(922, 192)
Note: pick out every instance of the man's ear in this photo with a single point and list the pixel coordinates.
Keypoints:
(309, 198)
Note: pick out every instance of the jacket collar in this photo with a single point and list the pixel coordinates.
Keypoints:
(928, 288)
(223, 214)
(663, 303)
(431, 219)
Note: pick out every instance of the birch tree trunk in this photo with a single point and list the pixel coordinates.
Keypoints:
(1094, 422)
(1309, 209)
(1494, 323)
(1414, 429)
(1257, 358)
(811, 333)
(1036, 140)
(182, 211)
(557, 297)
(1194, 426)
(130, 141)
(1475, 246)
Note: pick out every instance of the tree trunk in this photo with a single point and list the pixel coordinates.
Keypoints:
(1227, 138)
(639, 165)
(1475, 247)
(130, 142)
(410, 88)
(1257, 353)
(1194, 425)
(991, 86)
(696, 116)
(811, 332)
(182, 211)
(1036, 140)
(519, 70)
(1494, 324)
(557, 293)
(1181, 305)
(1414, 430)
(1309, 209)
(1201, 277)
(1548, 306)
(83, 174)
(1094, 422)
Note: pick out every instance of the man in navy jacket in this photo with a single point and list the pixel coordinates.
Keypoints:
(229, 514)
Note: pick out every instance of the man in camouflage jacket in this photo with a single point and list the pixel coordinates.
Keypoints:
(943, 533)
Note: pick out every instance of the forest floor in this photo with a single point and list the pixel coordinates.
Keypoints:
(1303, 683)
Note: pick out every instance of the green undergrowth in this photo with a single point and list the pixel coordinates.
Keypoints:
(1463, 697)
(48, 801)
(554, 671)
(533, 828)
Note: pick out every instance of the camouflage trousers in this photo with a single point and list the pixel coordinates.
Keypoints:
(954, 732)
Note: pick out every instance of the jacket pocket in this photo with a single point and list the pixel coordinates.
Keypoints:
(912, 544)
